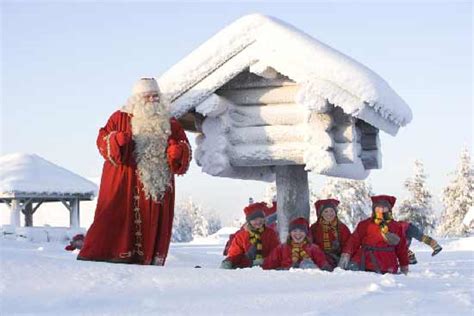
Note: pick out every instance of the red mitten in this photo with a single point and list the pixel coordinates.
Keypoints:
(123, 138)
(175, 152)
(185, 159)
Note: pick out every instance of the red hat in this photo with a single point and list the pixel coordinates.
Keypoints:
(254, 211)
(320, 205)
(384, 200)
(271, 210)
(301, 223)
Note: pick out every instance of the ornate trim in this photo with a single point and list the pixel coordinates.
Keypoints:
(107, 140)
(138, 222)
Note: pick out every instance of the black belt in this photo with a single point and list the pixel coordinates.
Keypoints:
(370, 250)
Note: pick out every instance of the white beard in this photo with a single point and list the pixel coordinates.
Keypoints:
(150, 131)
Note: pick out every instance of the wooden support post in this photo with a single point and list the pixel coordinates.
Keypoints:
(74, 221)
(292, 196)
(28, 211)
(15, 210)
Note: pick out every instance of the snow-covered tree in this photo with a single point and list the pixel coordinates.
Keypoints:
(468, 220)
(270, 193)
(457, 198)
(417, 208)
(182, 225)
(214, 223)
(189, 222)
(354, 196)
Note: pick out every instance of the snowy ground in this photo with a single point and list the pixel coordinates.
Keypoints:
(42, 278)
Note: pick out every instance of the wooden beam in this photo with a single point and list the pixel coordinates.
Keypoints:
(65, 203)
(265, 95)
(292, 196)
(74, 215)
(263, 155)
(37, 206)
(288, 114)
(15, 213)
(267, 135)
(28, 211)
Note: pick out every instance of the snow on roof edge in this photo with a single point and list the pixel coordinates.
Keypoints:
(372, 90)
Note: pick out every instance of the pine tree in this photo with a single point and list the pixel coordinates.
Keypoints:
(200, 225)
(189, 222)
(457, 198)
(417, 209)
(214, 223)
(354, 196)
(182, 225)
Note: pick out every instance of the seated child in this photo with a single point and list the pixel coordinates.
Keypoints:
(253, 242)
(298, 251)
(329, 233)
(378, 243)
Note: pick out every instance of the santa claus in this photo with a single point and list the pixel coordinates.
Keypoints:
(143, 149)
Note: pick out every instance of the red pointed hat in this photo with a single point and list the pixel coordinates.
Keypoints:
(386, 200)
(301, 223)
(255, 210)
(320, 205)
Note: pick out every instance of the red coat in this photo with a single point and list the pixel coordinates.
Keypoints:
(280, 258)
(368, 234)
(122, 232)
(241, 243)
(343, 234)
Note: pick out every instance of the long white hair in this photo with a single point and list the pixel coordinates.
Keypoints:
(150, 131)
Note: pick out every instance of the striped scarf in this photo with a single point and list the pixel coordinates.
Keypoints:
(256, 240)
(383, 219)
(327, 227)
(297, 251)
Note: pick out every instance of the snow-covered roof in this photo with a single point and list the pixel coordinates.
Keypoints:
(22, 174)
(260, 42)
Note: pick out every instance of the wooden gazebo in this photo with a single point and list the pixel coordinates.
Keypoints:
(27, 181)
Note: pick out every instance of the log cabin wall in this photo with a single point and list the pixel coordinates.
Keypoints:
(263, 126)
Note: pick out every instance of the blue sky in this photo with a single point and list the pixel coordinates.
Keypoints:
(65, 67)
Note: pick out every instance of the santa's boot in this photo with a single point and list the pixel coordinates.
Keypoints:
(432, 243)
(411, 257)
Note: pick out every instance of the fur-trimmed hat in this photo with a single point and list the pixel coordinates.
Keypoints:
(145, 85)
(320, 205)
(383, 200)
(254, 211)
(300, 223)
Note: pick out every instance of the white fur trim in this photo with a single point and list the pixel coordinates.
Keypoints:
(145, 85)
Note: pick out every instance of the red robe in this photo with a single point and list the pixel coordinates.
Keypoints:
(128, 227)
(280, 258)
(388, 258)
(241, 243)
(343, 234)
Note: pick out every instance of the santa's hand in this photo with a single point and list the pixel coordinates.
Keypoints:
(123, 138)
(344, 261)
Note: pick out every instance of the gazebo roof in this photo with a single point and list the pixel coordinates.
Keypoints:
(259, 42)
(29, 175)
